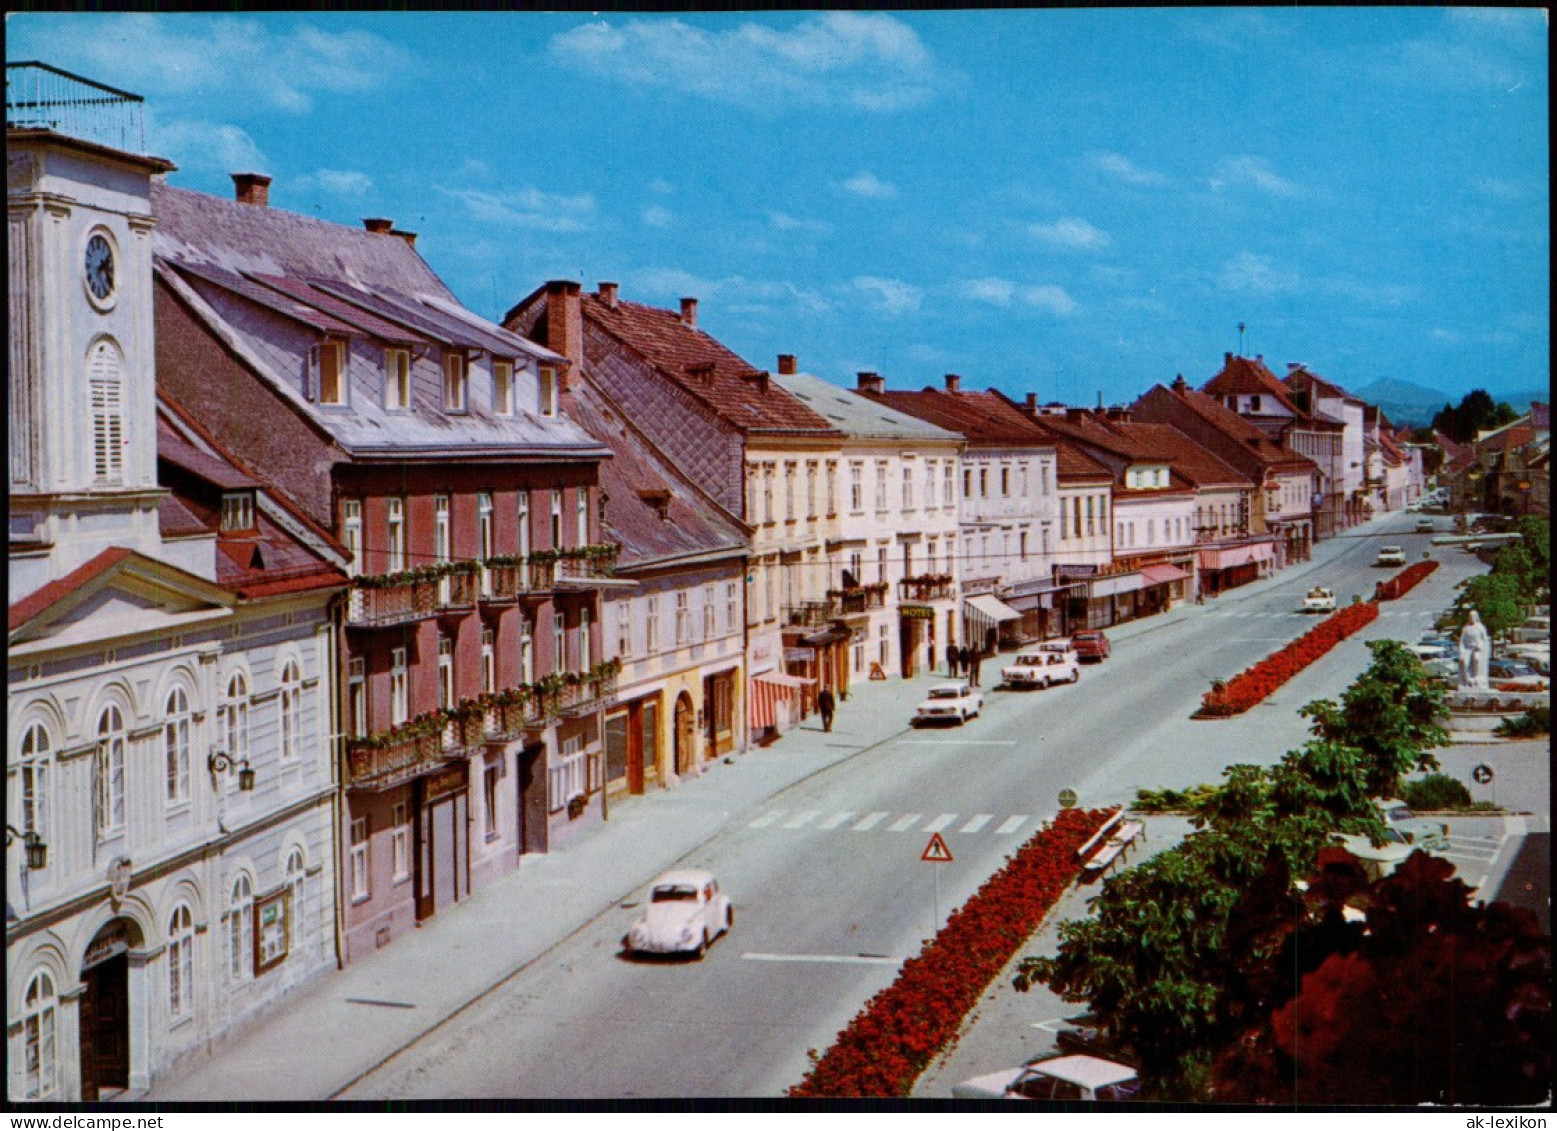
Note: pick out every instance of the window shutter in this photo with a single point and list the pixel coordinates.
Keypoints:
(105, 378)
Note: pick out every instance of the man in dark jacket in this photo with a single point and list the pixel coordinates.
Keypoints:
(951, 660)
(826, 705)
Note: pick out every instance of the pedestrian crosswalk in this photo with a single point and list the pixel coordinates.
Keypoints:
(883, 820)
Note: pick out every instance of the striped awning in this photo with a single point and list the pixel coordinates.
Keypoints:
(767, 688)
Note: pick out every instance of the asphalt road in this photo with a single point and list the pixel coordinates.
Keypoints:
(830, 893)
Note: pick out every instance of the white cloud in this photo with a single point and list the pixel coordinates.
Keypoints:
(1439, 334)
(863, 61)
(1052, 299)
(199, 145)
(1119, 166)
(526, 208)
(1071, 232)
(1004, 292)
(661, 186)
(1254, 172)
(1256, 273)
(890, 296)
(167, 56)
(869, 186)
(1487, 48)
(656, 217)
(342, 182)
(784, 222)
(996, 292)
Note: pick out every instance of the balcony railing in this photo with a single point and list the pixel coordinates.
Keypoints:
(457, 591)
(581, 565)
(393, 759)
(41, 97)
(927, 588)
(513, 579)
(859, 599)
(811, 614)
(594, 694)
(391, 600)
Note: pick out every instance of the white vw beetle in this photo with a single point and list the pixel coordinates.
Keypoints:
(686, 912)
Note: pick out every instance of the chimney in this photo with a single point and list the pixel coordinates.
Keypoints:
(689, 312)
(1119, 414)
(1031, 405)
(1180, 385)
(1075, 415)
(953, 383)
(409, 237)
(378, 225)
(1291, 365)
(607, 293)
(1227, 358)
(1259, 359)
(565, 319)
(252, 188)
(868, 382)
(786, 363)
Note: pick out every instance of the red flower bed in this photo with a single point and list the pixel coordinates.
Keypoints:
(1252, 686)
(1404, 581)
(889, 1043)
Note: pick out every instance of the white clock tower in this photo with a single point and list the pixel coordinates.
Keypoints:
(82, 388)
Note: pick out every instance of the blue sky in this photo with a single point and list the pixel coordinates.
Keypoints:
(1063, 202)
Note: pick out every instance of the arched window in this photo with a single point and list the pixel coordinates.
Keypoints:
(38, 1023)
(30, 785)
(240, 929)
(297, 873)
(105, 382)
(175, 745)
(181, 963)
(237, 717)
(291, 710)
(110, 770)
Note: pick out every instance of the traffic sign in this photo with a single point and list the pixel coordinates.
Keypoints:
(1482, 774)
(1068, 799)
(936, 851)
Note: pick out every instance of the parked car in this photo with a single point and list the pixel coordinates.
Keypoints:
(1434, 648)
(1060, 1078)
(1090, 644)
(1421, 832)
(1538, 656)
(1390, 556)
(1444, 670)
(686, 912)
(1425, 526)
(949, 702)
(1084, 1035)
(1319, 600)
(1043, 666)
(1510, 670)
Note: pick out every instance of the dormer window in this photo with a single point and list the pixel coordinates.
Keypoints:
(1254, 402)
(332, 371)
(502, 387)
(455, 378)
(548, 385)
(397, 379)
(237, 510)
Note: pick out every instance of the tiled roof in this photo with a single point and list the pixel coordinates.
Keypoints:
(651, 509)
(1188, 459)
(40, 599)
(1301, 376)
(703, 366)
(1242, 375)
(1268, 451)
(980, 417)
(861, 416)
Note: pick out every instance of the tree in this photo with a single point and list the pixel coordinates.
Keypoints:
(1475, 412)
(1389, 714)
(1498, 597)
(1436, 1001)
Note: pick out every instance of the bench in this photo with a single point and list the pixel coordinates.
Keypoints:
(1108, 844)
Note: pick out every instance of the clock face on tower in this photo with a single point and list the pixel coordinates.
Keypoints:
(100, 268)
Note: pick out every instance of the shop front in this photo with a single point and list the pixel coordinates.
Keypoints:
(777, 703)
(986, 620)
(1228, 567)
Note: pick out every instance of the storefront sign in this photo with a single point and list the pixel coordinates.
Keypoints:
(451, 780)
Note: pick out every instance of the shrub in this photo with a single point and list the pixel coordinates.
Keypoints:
(1173, 800)
(1436, 791)
(1534, 722)
(888, 1044)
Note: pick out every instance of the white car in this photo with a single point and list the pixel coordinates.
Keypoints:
(950, 702)
(1390, 556)
(686, 912)
(1083, 1078)
(1319, 600)
(1043, 667)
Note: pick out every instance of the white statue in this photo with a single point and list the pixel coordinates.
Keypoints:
(1475, 650)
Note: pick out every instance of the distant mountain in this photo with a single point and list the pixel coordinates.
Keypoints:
(1405, 403)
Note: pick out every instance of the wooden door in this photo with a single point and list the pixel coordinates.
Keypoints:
(105, 1027)
(532, 798)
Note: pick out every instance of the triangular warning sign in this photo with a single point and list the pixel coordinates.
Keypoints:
(936, 851)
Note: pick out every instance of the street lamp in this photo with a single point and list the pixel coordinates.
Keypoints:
(220, 762)
(37, 851)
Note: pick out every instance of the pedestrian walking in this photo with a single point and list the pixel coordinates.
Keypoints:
(826, 705)
(978, 659)
(951, 660)
(965, 661)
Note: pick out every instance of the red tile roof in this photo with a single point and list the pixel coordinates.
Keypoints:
(981, 417)
(704, 367)
(39, 600)
(1243, 376)
(1250, 435)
